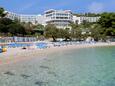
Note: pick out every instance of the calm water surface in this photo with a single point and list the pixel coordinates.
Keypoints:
(83, 67)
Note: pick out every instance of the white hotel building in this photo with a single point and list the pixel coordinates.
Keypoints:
(60, 18)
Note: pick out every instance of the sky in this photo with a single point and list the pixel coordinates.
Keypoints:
(76, 6)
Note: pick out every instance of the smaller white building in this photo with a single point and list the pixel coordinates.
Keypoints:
(12, 15)
(80, 19)
(29, 18)
(76, 20)
(89, 19)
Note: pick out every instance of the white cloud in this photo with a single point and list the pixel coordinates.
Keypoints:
(96, 7)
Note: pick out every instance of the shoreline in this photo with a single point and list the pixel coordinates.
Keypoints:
(14, 55)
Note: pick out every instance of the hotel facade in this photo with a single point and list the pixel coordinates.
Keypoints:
(60, 18)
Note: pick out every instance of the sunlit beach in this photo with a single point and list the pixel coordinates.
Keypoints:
(57, 43)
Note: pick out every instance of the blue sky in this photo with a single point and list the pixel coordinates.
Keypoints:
(39, 6)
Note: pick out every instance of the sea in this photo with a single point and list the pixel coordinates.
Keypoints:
(77, 67)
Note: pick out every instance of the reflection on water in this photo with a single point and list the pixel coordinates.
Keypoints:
(83, 67)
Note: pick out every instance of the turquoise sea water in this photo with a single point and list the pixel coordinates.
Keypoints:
(79, 67)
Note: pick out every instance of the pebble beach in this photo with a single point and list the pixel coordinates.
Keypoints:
(18, 54)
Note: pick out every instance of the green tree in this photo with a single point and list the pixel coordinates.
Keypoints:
(85, 24)
(39, 29)
(16, 29)
(51, 31)
(4, 22)
(75, 31)
(97, 32)
(110, 32)
(2, 12)
(2, 28)
(78, 34)
(64, 33)
(107, 20)
(85, 29)
(28, 27)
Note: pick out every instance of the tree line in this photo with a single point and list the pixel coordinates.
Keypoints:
(14, 27)
(100, 30)
(103, 29)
